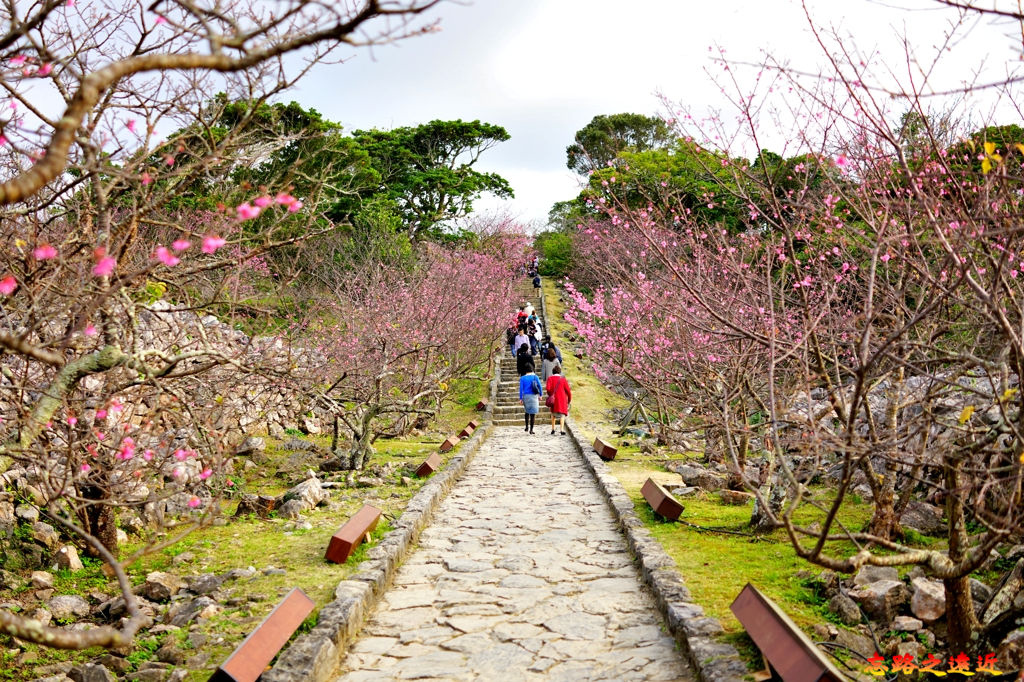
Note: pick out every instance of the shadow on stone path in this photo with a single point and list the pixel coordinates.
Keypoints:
(522, 575)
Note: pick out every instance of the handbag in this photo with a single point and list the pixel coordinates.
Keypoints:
(550, 401)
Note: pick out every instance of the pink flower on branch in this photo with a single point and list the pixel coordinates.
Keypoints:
(181, 244)
(212, 242)
(247, 211)
(166, 257)
(44, 252)
(7, 285)
(104, 266)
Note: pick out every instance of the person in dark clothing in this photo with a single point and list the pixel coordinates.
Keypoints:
(510, 339)
(548, 343)
(524, 359)
(536, 281)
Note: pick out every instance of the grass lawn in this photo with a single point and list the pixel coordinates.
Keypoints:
(261, 544)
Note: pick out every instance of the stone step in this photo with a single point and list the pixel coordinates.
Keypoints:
(516, 409)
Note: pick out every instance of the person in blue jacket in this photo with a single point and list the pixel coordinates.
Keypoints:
(530, 392)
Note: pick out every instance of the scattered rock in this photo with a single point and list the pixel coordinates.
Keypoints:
(183, 558)
(292, 509)
(44, 534)
(309, 426)
(169, 653)
(1007, 593)
(116, 663)
(872, 574)
(911, 648)
(980, 592)
(855, 641)
(270, 570)
(682, 490)
(67, 606)
(239, 573)
(259, 505)
(42, 615)
(67, 558)
(1010, 653)
(906, 624)
(184, 613)
(845, 608)
(41, 580)
(698, 476)
(250, 445)
(881, 599)
(310, 493)
(735, 497)
(205, 583)
(160, 586)
(929, 600)
(91, 672)
(923, 517)
(27, 513)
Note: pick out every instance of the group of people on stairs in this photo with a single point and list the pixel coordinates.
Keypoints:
(528, 347)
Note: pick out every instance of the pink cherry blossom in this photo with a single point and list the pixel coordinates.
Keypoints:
(262, 202)
(146, 178)
(212, 242)
(160, 19)
(44, 252)
(207, 472)
(45, 70)
(90, 330)
(247, 211)
(84, 468)
(181, 244)
(72, 420)
(195, 502)
(130, 125)
(295, 207)
(3, 140)
(284, 199)
(7, 285)
(104, 266)
(100, 435)
(18, 60)
(166, 257)
(842, 161)
(147, 455)
(101, 413)
(180, 455)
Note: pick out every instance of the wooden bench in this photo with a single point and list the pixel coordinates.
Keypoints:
(604, 450)
(785, 647)
(482, 405)
(349, 536)
(661, 500)
(449, 444)
(429, 466)
(470, 428)
(252, 656)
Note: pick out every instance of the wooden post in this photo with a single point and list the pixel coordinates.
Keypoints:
(253, 655)
(449, 444)
(349, 536)
(429, 466)
(604, 450)
(661, 500)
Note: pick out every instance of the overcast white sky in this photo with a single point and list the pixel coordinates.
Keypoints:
(544, 68)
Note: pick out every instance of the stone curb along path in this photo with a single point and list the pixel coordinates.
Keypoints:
(314, 656)
(713, 661)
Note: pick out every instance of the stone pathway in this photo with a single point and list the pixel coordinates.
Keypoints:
(522, 575)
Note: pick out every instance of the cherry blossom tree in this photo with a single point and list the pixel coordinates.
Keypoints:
(865, 319)
(113, 385)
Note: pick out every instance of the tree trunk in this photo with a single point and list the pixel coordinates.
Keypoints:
(99, 520)
(774, 493)
(961, 622)
(884, 522)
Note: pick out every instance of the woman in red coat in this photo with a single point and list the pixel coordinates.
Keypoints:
(561, 395)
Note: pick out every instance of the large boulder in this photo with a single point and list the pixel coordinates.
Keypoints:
(698, 476)
(309, 493)
(67, 558)
(45, 535)
(882, 599)
(160, 586)
(923, 517)
(1009, 594)
(1010, 653)
(845, 608)
(929, 600)
(68, 606)
(872, 574)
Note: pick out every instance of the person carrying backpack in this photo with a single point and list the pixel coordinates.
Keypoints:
(529, 395)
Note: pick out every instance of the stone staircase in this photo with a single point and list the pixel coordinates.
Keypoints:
(507, 410)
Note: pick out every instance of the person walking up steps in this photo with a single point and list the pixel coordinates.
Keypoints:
(547, 364)
(560, 395)
(529, 395)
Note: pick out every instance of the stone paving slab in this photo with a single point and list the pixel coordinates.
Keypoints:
(522, 575)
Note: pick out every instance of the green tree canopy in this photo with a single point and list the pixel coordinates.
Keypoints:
(605, 137)
(427, 170)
